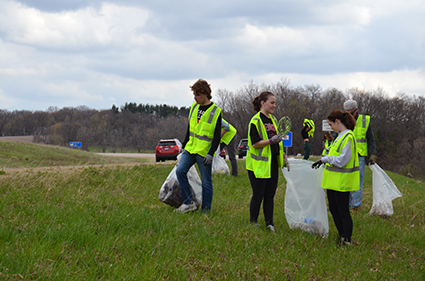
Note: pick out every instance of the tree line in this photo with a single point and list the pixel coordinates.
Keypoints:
(398, 122)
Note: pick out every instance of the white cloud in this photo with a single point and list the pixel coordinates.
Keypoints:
(393, 82)
(344, 13)
(275, 39)
(102, 53)
(86, 28)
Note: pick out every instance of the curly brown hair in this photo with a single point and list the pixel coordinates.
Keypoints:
(202, 87)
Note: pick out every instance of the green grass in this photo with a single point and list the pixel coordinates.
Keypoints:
(106, 223)
(26, 155)
(98, 149)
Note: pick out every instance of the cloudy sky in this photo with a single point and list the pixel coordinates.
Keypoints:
(67, 53)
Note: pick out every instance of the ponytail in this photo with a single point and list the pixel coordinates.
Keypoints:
(346, 118)
(264, 96)
(349, 121)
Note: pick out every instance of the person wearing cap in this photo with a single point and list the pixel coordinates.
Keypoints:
(228, 133)
(365, 141)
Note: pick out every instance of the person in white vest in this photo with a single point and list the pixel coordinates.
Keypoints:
(365, 141)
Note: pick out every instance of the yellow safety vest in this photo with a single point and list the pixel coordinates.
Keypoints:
(259, 160)
(310, 123)
(228, 136)
(359, 132)
(346, 178)
(201, 134)
(327, 145)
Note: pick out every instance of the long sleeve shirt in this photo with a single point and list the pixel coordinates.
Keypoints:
(345, 156)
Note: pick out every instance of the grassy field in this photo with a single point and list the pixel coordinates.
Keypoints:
(26, 155)
(106, 223)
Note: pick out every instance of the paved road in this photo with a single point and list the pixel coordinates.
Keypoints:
(134, 155)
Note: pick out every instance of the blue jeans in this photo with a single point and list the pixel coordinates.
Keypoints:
(356, 196)
(186, 161)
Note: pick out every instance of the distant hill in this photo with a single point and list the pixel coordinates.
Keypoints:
(27, 139)
(16, 154)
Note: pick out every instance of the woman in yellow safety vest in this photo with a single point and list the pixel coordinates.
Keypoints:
(264, 158)
(326, 143)
(341, 174)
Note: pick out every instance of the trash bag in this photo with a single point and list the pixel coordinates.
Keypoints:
(171, 192)
(305, 203)
(219, 165)
(384, 192)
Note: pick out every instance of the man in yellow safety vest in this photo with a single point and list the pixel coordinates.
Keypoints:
(365, 141)
(202, 140)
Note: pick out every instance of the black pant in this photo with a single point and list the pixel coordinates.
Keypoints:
(340, 210)
(263, 191)
(232, 157)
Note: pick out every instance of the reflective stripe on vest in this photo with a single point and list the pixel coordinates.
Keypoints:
(346, 178)
(229, 135)
(310, 123)
(362, 124)
(342, 170)
(326, 149)
(338, 150)
(259, 160)
(201, 134)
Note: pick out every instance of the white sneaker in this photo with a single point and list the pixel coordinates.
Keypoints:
(184, 208)
(271, 228)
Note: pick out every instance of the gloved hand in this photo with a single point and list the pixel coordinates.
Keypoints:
(275, 139)
(286, 164)
(317, 164)
(372, 160)
(208, 160)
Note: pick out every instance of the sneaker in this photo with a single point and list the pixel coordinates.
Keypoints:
(339, 240)
(255, 224)
(346, 244)
(184, 208)
(271, 228)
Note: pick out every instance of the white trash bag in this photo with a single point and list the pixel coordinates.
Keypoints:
(384, 192)
(219, 165)
(171, 192)
(305, 203)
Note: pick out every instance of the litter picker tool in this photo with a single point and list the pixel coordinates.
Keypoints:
(284, 126)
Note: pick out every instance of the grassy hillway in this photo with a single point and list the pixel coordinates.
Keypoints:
(27, 155)
(106, 223)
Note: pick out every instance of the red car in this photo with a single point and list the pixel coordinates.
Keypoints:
(223, 153)
(168, 149)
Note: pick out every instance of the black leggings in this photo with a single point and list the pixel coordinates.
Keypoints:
(263, 191)
(340, 210)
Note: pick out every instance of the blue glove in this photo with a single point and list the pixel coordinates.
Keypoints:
(208, 160)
